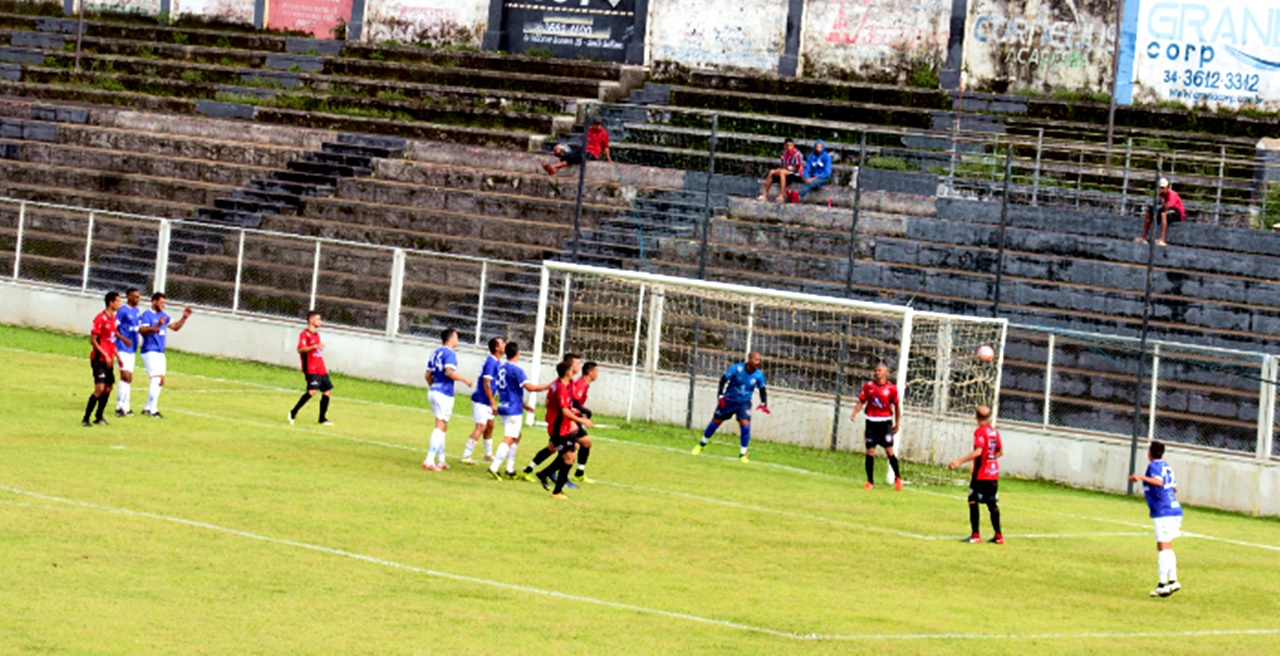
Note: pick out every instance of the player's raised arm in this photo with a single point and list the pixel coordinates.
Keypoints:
(177, 325)
(530, 387)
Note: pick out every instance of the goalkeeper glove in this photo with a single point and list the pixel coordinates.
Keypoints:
(764, 408)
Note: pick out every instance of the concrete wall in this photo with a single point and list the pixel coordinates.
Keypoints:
(1229, 482)
(879, 40)
(1012, 45)
(148, 7)
(438, 22)
(230, 11)
(735, 34)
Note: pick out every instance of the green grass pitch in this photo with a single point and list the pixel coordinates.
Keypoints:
(221, 529)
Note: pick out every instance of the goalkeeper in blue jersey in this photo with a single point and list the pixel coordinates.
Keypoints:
(736, 388)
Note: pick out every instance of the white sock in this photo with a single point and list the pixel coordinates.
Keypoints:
(153, 393)
(471, 446)
(122, 396)
(1162, 564)
(497, 461)
(1172, 567)
(432, 446)
(488, 446)
(511, 458)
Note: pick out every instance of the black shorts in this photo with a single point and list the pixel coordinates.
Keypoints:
(878, 434)
(319, 382)
(793, 179)
(983, 491)
(1174, 215)
(573, 157)
(103, 372)
(565, 442)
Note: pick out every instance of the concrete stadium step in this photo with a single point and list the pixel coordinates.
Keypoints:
(289, 203)
(329, 170)
(497, 247)
(362, 160)
(521, 182)
(232, 218)
(130, 200)
(282, 189)
(168, 144)
(252, 206)
(318, 181)
(213, 172)
(405, 197)
(805, 108)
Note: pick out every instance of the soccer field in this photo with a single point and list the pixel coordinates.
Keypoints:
(223, 529)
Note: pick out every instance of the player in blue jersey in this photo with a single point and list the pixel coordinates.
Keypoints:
(484, 402)
(1161, 490)
(127, 341)
(442, 371)
(154, 326)
(736, 388)
(511, 383)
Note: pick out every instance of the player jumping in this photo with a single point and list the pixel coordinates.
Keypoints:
(884, 415)
(484, 403)
(311, 353)
(1160, 488)
(736, 387)
(983, 487)
(102, 359)
(441, 373)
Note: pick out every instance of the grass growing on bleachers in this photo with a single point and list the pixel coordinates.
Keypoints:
(223, 529)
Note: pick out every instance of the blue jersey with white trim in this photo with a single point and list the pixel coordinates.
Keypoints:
(442, 360)
(487, 372)
(1162, 501)
(509, 389)
(742, 384)
(154, 342)
(127, 326)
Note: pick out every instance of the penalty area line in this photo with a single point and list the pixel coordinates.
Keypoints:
(554, 594)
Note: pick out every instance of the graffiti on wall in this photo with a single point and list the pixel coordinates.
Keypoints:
(1039, 46)
(1224, 53)
(873, 38)
(231, 11)
(739, 34)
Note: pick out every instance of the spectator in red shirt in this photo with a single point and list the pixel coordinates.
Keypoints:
(791, 171)
(1171, 209)
(597, 148)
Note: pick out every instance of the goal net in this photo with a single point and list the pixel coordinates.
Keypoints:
(663, 343)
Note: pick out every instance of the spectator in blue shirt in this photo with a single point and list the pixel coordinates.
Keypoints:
(817, 171)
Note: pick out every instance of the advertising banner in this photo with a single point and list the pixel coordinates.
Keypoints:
(1220, 54)
(583, 29)
(315, 17)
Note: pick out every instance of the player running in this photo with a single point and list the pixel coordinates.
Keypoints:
(441, 373)
(484, 403)
(1160, 488)
(153, 326)
(736, 387)
(511, 385)
(983, 487)
(102, 359)
(311, 353)
(126, 347)
(884, 415)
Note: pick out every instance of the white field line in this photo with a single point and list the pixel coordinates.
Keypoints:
(798, 470)
(513, 587)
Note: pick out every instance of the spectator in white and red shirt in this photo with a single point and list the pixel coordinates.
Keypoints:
(791, 171)
(1170, 209)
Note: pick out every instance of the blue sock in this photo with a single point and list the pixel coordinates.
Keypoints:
(746, 436)
(706, 434)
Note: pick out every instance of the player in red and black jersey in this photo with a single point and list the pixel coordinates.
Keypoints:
(311, 354)
(552, 414)
(578, 391)
(102, 359)
(987, 449)
(563, 430)
(884, 415)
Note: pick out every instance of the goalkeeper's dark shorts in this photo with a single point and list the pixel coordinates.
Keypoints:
(727, 409)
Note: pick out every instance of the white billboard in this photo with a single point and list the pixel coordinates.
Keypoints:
(1221, 54)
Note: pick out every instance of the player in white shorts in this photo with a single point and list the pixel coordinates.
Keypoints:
(127, 343)
(442, 372)
(511, 385)
(153, 326)
(484, 402)
(1160, 489)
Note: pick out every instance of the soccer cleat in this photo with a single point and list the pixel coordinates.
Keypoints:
(998, 539)
(100, 422)
(973, 539)
(511, 476)
(493, 474)
(897, 484)
(467, 461)
(545, 480)
(488, 457)
(560, 496)
(119, 412)
(291, 417)
(442, 466)
(326, 422)
(86, 424)
(428, 466)
(1160, 590)
(744, 458)
(128, 413)
(1171, 588)
(868, 486)
(146, 413)
(525, 476)
(582, 478)
(696, 450)
(157, 415)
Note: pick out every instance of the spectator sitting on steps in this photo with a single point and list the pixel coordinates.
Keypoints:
(817, 169)
(791, 171)
(597, 149)
(1170, 210)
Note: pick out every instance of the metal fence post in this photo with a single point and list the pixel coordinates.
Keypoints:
(484, 286)
(1035, 185)
(1080, 177)
(635, 354)
(1222, 170)
(582, 184)
(1124, 189)
(235, 299)
(1155, 389)
(315, 276)
(1048, 381)
(88, 249)
(395, 295)
(163, 238)
(17, 247)
(702, 269)
(848, 289)
(1146, 326)
(1266, 409)
(564, 316)
(1004, 221)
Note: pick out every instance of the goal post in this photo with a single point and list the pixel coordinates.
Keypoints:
(818, 350)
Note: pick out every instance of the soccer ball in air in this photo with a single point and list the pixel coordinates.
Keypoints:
(986, 353)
